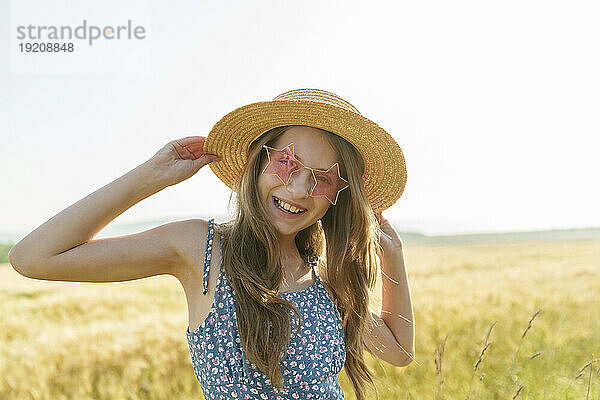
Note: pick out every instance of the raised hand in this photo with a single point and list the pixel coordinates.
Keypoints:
(390, 239)
(181, 158)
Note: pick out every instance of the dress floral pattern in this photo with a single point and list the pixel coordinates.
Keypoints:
(314, 357)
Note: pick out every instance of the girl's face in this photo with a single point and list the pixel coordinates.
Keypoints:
(313, 150)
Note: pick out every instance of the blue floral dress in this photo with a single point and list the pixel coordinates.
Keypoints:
(314, 357)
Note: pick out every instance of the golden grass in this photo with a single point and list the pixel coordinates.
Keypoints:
(477, 331)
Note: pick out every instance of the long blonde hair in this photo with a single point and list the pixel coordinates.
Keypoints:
(345, 239)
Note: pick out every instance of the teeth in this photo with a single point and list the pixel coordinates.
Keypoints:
(287, 206)
(290, 208)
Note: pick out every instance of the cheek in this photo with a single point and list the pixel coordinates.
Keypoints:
(265, 184)
(323, 206)
(262, 186)
(265, 180)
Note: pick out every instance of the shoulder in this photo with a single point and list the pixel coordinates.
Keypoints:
(189, 238)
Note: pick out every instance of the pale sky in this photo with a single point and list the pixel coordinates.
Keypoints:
(496, 105)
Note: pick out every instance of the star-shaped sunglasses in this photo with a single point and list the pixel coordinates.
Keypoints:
(327, 183)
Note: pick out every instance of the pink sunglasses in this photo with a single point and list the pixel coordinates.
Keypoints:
(283, 163)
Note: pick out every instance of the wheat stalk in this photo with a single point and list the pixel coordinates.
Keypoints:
(438, 356)
(486, 344)
(517, 352)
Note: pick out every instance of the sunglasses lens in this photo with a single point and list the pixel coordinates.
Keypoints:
(329, 184)
(283, 163)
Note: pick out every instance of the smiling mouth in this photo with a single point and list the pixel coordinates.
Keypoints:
(277, 204)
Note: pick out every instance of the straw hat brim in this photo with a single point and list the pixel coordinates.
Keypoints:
(384, 178)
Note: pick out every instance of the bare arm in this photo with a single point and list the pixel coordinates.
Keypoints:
(62, 236)
(391, 335)
(62, 249)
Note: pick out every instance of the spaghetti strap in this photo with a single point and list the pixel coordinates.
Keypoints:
(220, 245)
(221, 268)
(313, 261)
(207, 256)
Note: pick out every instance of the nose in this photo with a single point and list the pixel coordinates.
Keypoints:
(301, 183)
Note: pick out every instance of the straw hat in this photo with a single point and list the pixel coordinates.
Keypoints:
(384, 178)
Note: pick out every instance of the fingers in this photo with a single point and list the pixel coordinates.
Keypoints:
(195, 145)
(204, 160)
(199, 153)
(195, 149)
(186, 141)
(212, 158)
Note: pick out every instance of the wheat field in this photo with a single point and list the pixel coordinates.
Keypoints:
(493, 321)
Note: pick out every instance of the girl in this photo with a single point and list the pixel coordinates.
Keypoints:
(284, 306)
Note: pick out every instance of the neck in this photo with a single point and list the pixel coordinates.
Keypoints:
(289, 251)
(295, 267)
